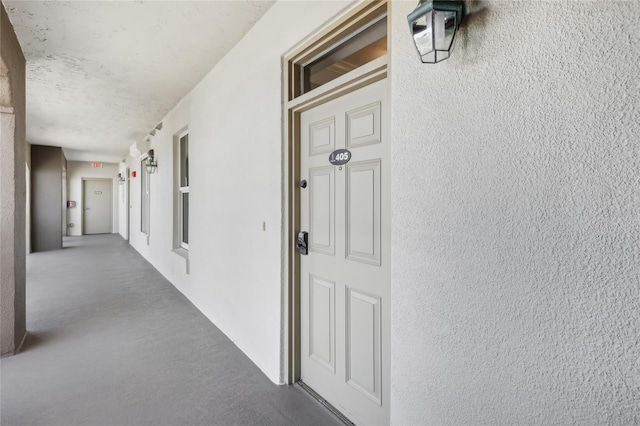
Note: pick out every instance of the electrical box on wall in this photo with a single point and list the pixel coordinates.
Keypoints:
(71, 204)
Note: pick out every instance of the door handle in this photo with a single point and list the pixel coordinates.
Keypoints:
(87, 208)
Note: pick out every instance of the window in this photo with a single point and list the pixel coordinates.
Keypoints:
(340, 48)
(362, 46)
(144, 193)
(183, 191)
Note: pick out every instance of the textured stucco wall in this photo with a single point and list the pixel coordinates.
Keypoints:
(516, 225)
(12, 189)
(76, 170)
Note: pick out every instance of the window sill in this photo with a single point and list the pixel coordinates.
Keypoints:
(183, 253)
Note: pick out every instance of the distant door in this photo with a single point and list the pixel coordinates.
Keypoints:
(345, 278)
(97, 206)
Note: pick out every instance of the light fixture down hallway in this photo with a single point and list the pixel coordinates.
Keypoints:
(112, 342)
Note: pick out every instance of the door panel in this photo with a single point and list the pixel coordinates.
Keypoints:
(322, 322)
(322, 135)
(363, 126)
(363, 212)
(344, 280)
(321, 210)
(363, 344)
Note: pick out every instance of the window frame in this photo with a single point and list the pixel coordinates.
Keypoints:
(346, 42)
(325, 40)
(182, 190)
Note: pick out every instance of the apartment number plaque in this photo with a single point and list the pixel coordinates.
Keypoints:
(340, 157)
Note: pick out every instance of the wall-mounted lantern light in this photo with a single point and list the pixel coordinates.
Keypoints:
(433, 25)
(151, 164)
(121, 179)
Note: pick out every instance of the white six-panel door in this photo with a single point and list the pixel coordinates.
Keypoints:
(345, 278)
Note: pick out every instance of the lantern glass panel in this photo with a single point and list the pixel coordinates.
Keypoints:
(423, 33)
(444, 29)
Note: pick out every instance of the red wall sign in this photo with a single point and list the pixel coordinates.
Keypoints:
(133, 173)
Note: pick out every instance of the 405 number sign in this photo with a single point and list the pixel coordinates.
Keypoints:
(340, 157)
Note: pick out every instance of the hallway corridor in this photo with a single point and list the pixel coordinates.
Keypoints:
(112, 342)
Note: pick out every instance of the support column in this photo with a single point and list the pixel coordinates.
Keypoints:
(12, 190)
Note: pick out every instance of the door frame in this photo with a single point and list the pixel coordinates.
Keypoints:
(84, 180)
(293, 106)
(128, 202)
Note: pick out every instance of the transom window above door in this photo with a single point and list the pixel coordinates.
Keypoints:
(362, 46)
(340, 49)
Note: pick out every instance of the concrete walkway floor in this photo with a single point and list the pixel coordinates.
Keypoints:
(112, 342)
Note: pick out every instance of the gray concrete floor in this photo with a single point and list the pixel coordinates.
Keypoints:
(112, 342)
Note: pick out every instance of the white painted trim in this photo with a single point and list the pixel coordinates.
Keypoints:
(360, 77)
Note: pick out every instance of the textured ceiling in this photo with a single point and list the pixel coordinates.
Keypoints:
(101, 75)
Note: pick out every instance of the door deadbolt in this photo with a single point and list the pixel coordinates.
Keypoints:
(303, 243)
(303, 183)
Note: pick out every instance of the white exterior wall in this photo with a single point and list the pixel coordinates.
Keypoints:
(516, 226)
(76, 170)
(236, 183)
(515, 292)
